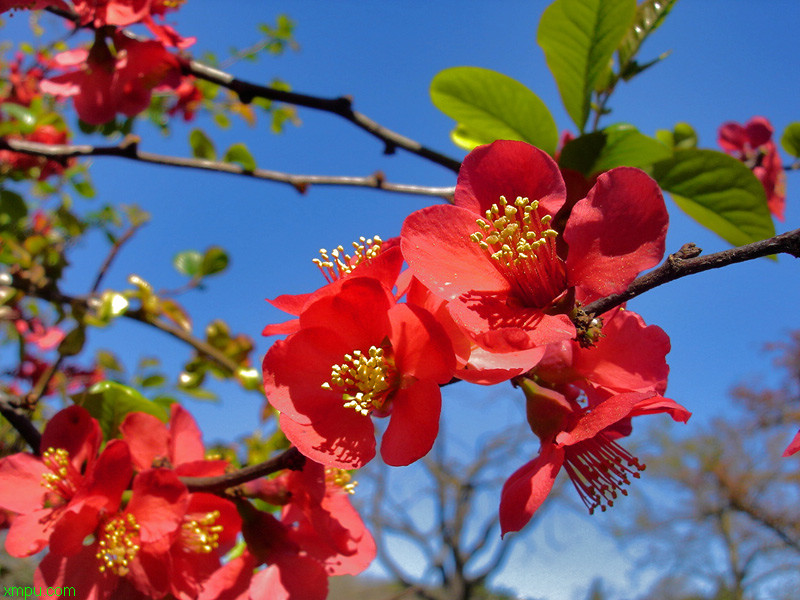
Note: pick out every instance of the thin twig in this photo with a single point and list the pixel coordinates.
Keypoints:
(289, 459)
(686, 262)
(20, 421)
(112, 255)
(128, 149)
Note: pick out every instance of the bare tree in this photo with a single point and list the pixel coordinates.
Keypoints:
(731, 526)
(452, 523)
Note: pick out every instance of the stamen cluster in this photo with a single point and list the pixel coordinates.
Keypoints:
(337, 264)
(364, 378)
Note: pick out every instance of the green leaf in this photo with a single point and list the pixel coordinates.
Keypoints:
(650, 14)
(615, 146)
(12, 209)
(188, 262)
(21, 114)
(492, 106)
(579, 37)
(110, 402)
(73, 342)
(790, 140)
(239, 154)
(202, 146)
(719, 192)
(214, 261)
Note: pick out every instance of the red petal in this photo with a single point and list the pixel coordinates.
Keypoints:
(147, 438)
(794, 446)
(158, 502)
(437, 247)
(292, 578)
(21, 488)
(414, 424)
(631, 356)
(525, 491)
(347, 442)
(510, 169)
(231, 581)
(616, 232)
(186, 440)
(421, 346)
(74, 430)
(603, 415)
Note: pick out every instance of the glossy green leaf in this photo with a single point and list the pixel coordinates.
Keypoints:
(650, 14)
(719, 192)
(215, 260)
(615, 146)
(188, 262)
(790, 140)
(239, 154)
(492, 106)
(110, 402)
(201, 145)
(23, 115)
(579, 37)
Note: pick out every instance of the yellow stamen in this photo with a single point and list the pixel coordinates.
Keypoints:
(202, 535)
(118, 545)
(341, 478)
(364, 379)
(337, 264)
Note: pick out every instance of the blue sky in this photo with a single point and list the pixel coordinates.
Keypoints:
(730, 61)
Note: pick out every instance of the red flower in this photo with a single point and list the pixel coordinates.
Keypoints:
(752, 144)
(501, 258)
(61, 496)
(130, 550)
(179, 447)
(579, 401)
(111, 12)
(371, 258)
(318, 534)
(106, 83)
(361, 354)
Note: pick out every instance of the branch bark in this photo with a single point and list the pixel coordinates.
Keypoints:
(129, 149)
(687, 262)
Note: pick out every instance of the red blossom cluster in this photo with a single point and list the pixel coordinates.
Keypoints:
(160, 539)
(752, 143)
(492, 293)
(119, 71)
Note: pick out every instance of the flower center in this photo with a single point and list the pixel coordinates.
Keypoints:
(599, 468)
(519, 241)
(340, 478)
(63, 477)
(118, 544)
(365, 379)
(202, 535)
(337, 264)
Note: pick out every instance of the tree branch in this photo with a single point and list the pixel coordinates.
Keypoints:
(341, 106)
(20, 421)
(687, 262)
(129, 149)
(289, 459)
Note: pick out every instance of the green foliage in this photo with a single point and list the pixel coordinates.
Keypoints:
(196, 265)
(615, 146)
(719, 192)
(790, 140)
(650, 14)
(110, 402)
(238, 153)
(490, 106)
(201, 145)
(579, 38)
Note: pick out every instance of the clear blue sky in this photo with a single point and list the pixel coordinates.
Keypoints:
(730, 60)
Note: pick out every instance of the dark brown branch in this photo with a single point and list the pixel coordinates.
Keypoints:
(112, 255)
(128, 149)
(341, 106)
(289, 459)
(20, 421)
(687, 262)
